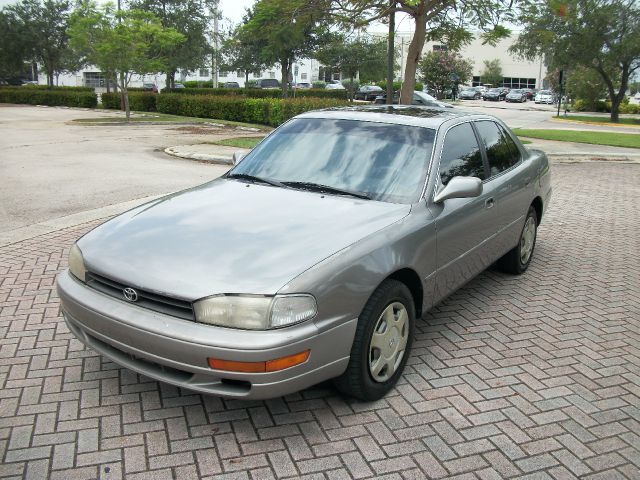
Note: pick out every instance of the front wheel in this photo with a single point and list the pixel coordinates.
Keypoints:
(381, 344)
(517, 260)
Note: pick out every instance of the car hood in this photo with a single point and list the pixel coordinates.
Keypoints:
(229, 237)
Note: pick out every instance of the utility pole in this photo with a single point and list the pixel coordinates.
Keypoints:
(216, 46)
(390, 50)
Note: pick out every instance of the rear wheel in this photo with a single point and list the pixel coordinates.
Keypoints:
(517, 260)
(381, 344)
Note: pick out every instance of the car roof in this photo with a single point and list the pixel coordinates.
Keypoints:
(429, 117)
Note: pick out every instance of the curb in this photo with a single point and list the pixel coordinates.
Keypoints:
(203, 157)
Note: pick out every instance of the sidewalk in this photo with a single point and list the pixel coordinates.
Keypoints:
(557, 151)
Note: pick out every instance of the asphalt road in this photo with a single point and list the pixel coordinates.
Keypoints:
(50, 169)
(532, 115)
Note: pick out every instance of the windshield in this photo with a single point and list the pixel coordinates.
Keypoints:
(544, 92)
(516, 91)
(495, 90)
(385, 162)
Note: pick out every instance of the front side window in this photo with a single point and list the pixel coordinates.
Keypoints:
(502, 152)
(460, 154)
(386, 162)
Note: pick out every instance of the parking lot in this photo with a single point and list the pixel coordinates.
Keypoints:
(535, 376)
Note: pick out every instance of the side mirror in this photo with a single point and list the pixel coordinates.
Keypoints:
(460, 187)
(237, 156)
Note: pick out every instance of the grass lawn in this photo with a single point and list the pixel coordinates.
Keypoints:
(594, 119)
(240, 142)
(630, 140)
(142, 117)
(524, 142)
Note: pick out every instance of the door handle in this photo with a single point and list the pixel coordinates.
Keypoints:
(489, 203)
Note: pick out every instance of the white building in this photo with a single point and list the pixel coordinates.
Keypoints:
(304, 70)
(517, 73)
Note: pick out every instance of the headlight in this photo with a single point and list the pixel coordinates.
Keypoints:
(76, 263)
(255, 312)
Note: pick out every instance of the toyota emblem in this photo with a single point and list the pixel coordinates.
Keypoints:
(130, 294)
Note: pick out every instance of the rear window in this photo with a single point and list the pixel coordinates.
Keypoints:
(269, 82)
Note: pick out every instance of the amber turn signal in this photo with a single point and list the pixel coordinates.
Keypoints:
(260, 367)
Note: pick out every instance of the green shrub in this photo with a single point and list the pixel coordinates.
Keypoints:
(630, 108)
(198, 84)
(383, 85)
(420, 86)
(138, 101)
(264, 111)
(319, 84)
(260, 93)
(56, 97)
(60, 88)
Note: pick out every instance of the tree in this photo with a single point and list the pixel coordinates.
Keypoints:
(492, 72)
(585, 84)
(286, 30)
(362, 56)
(13, 51)
(437, 67)
(122, 43)
(242, 52)
(192, 19)
(38, 32)
(602, 35)
(450, 21)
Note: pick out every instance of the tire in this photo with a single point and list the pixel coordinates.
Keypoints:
(516, 261)
(390, 299)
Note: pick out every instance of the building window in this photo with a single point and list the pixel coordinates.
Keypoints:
(303, 76)
(476, 82)
(440, 48)
(272, 74)
(239, 74)
(223, 73)
(204, 72)
(94, 79)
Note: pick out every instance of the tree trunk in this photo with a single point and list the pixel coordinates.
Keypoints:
(125, 94)
(391, 58)
(615, 110)
(284, 71)
(413, 57)
(123, 104)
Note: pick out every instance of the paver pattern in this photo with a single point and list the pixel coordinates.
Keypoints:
(535, 376)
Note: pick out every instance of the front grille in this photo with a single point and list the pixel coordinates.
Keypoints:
(152, 301)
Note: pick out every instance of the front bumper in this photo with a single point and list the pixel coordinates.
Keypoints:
(175, 351)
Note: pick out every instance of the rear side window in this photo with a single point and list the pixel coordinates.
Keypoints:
(502, 152)
(460, 154)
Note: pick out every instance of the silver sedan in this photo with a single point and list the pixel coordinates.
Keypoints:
(313, 257)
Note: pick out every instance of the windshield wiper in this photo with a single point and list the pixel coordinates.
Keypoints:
(327, 189)
(253, 178)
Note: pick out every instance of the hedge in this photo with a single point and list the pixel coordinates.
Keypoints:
(260, 93)
(138, 101)
(56, 97)
(580, 105)
(58, 88)
(264, 111)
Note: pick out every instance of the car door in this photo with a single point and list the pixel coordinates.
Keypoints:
(512, 182)
(464, 226)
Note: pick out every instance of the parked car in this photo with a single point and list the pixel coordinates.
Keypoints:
(419, 98)
(313, 257)
(150, 87)
(368, 93)
(231, 85)
(516, 95)
(178, 85)
(545, 96)
(496, 94)
(267, 84)
(334, 85)
(531, 93)
(302, 85)
(470, 93)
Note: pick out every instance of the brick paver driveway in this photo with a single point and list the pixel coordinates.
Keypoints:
(529, 377)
